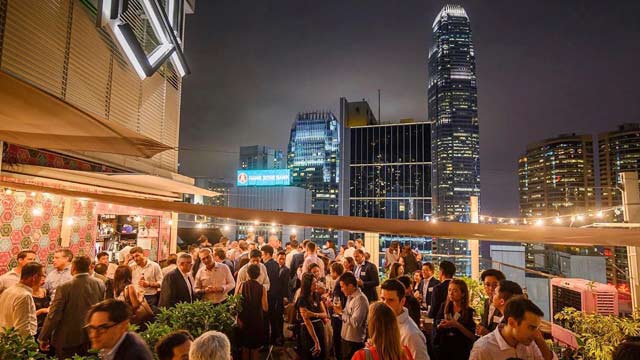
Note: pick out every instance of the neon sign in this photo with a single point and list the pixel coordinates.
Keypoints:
(276, 177)
(167, 27)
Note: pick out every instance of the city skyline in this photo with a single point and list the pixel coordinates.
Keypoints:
(534, 80)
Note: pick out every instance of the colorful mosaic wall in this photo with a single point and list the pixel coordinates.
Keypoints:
(84, 229)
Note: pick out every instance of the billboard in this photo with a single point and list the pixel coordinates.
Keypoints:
(275, 177)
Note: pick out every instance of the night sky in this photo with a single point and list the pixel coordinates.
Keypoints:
(543, 67)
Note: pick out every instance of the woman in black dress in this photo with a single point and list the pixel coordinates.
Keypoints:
(251, 318)
(455, 333)
(313, 314)
(42, 300)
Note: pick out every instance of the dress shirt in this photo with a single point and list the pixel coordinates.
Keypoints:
(312, 259)
(358, 270)
(187, 279)
(349, 252)
(287, 259)
(412, 337)
(425, 291)
(219, 275)
(9, 279)
(263, 279)
(354, 318)
(111, 270)
(56, 278)
(494, 347)
(152, 273)
(167, 269)
(110, 355)
(18, 310)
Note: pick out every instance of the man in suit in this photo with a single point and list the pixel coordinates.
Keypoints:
(107, 324)
(490, 278)
(284, 274)
(101, 269)
(439, 295)
(63, 326)
(298, 259)
(425, 288)
(367, 275)
(274, 295)
(177, 285)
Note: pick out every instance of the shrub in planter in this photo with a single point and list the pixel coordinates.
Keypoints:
(477, 295)
(15, 346)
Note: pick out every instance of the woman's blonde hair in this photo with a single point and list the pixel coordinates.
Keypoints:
(384, 332)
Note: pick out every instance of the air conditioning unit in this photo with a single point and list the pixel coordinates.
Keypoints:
(582, 295)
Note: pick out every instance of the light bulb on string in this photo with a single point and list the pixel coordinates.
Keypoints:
(599, 214)
(170, 222)
(225, 228)
(70, 221)
(256, 222)
(434, 220)
(482, 218)
(199, 225)
(512, 222)
(539, 222)
(580, 217)
(37, 211)
(558, 220)
(251, 229)
(8, 191)
(294, 230)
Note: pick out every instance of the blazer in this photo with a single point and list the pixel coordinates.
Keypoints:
(133, 347)
(284, 275)
(438, 297)
(296, 261)
(432, 283)
(275, 289)
(63, 326)
(175, 290)
(370, 280)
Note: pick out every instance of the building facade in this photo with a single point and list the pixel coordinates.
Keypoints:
(618, 151)
(261, 157)
(453, 112)
(313, 157)
(557, 177)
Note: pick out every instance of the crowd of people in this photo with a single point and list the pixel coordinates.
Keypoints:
(327, 301)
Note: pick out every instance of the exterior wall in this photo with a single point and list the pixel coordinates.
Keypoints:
(56, 46)
(619, 151)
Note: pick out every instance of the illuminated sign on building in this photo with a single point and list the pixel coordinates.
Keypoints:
(167, 27)
(275, 177)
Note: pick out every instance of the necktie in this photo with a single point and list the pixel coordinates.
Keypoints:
(190, 286)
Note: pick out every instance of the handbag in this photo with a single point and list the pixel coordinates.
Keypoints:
(141, 314)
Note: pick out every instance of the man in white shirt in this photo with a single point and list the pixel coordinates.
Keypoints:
(354, 316)
(214, 279)
(147, 275)
(13, 277)
(254, 258)
(294, 250)
(311, 258)
(61, 272)
(351, 247)
(519, 338)
(17, 308)
(393, 295)
(103, 258)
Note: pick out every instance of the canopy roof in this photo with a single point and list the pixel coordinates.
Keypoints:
(510, 233)
(32, 117)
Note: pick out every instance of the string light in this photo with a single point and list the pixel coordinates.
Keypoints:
(8, 191)
(539, 222)
(294, 231)
(434, 220)
(251, 229)
(225, 228)
(558, 220)
(170, 222)
(599, 214)
(200, 225)
(512, 222)
(70, 221)
(580, 217)
(37, 211)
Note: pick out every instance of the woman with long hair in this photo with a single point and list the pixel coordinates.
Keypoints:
(455, 333)
(396, 271)
(417, 278)
(123, 289)
(384, 336)
(409, 260)
(251, 318)
(313, 314)
(392, 254)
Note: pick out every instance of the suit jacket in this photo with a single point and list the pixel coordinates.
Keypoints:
(438, 297)
(370, 280)
(275, 289)
(133, 347)
(296, 261)
(432, 283)
(486, 321)
(284, 275)
(63, 326)
(175, 290)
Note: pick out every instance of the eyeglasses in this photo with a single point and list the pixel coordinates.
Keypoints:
(100, 328)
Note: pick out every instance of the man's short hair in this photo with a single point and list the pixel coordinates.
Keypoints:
(518, 306)
(312, 266)
(30, 269)
(101, 268)
(164, 347)
(351, 243)
(66, 253)
(359, 241)
(267, 249)
(101, 254)
(253, 271)
(294, 243)
(242, 244)
(282, 253)
(394, 285)
(212, 345)
(447, 268)
(305, 242)
(359, 251)
(172, 259)
(118, 310)
(337, 268)
(287, 244)
(136, 250)
(508, 289)
(405, 280)
(430, 266)
(493, 272)
(184, 257)
(205, 250)
(81, 264)
(311, 246)
(348, 279)
(255, 254)
(23, 254)
(220, 253)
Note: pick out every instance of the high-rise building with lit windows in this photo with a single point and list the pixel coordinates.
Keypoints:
(619, 151)
(313, 157)
(261, 157)
(453, 112)
(557, 177)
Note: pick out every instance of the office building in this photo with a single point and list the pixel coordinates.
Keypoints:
(261, 157)
(313, 157)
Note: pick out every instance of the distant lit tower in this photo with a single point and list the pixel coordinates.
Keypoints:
(260, 157)
(313, 157)
(453, 111)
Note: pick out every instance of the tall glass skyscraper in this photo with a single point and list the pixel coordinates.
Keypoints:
(453, 111)
(313, 157)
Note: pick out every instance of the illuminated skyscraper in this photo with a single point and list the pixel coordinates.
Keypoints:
(313, 157)
(453, 110)
(260, 157)
(453, 113)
